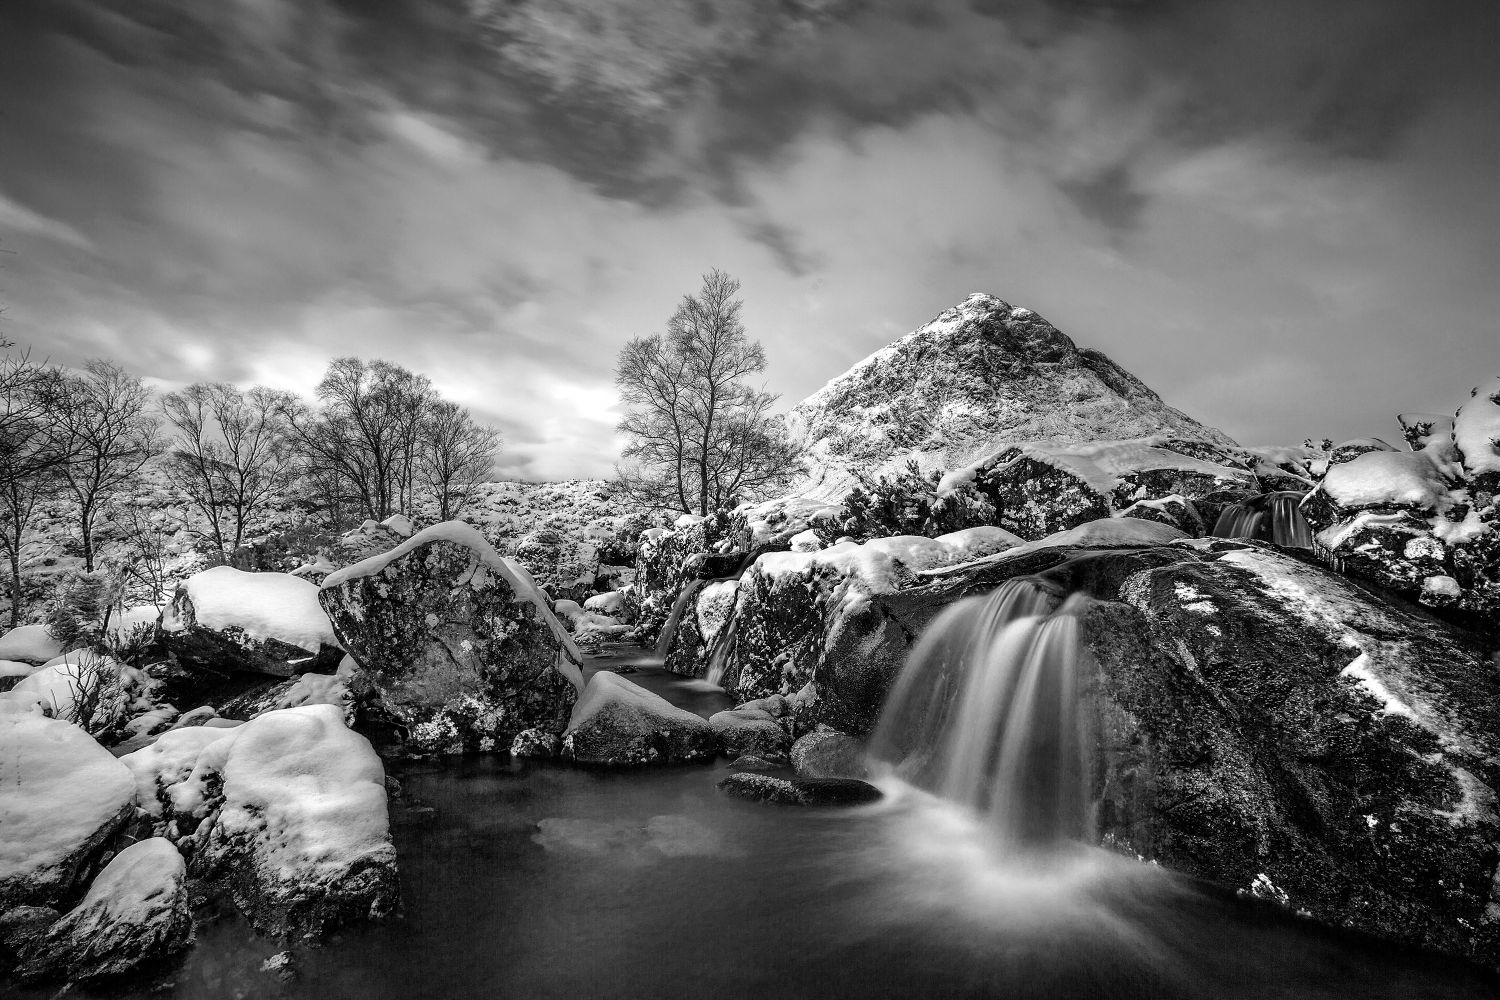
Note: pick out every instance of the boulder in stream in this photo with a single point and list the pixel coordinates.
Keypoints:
(457, 644)
(620, 723)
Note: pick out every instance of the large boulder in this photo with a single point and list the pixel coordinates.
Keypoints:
(457, 644)
(135, 914)
(620, 723)
(64, 797)
(225, 628)
(286, 813)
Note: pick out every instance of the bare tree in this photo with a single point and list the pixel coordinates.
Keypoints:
(34, 451)
(232, 455)
(699, 437)
(367, 430)
(454, 455)
(106, 413)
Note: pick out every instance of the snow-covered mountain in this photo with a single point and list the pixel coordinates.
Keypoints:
(980, 376)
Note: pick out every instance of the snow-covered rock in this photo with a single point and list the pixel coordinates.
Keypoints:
(1038, 489)
(981, 375)
(29, 644)
(286, 812)
(62, 797)
(754, 728)
(619, 723)
(226, 620)
(1476, 432)
(135, 913)
(456, 641)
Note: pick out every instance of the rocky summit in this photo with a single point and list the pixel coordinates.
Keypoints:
(981, 375)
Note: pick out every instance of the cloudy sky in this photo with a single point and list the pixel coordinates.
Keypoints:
(1283, 215)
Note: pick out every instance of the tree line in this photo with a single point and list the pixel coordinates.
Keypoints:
(377, 438)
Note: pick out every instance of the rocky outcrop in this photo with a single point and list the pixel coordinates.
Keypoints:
(696, 548)
(618, 723)
(755, 728)
(64, 797)
(286, 814)
(981, 375)
(135, 915)
(1039, 489)
(1258, 717)
(456, 644)
(1423, 523)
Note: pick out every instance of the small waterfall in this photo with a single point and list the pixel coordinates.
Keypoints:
(1272, 517)
(986, 713)
(1239, 520)
(723, 648)
(669, 630)
(1288, 526)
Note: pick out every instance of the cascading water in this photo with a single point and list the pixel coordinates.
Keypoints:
(986, 714)
(1274, 517)
(669, 630)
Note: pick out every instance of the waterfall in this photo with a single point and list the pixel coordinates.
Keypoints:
(669, 630)
(723, 648)
(986, 714)
(1288, 526)
(1238, 520)
(1273, 517)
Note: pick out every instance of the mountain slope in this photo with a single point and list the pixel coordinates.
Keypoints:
(980, 376)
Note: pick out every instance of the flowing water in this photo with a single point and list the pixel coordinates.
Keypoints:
(986, 714)
(1274, 517)
(538, 880)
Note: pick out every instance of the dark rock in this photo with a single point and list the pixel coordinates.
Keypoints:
(1175, 510)
(19, 927)
(456, 645)
(800, 791)
(751, 730)
(135, 914)
(751, 762)
(536, 743)
(1262, 718)
(827, 753)
(619, 723)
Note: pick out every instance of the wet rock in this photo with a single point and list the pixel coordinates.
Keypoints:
(136, 914)
(536, 743)
(827, 753)
(752, 762)
(620, 723)
(1177, 511)
(1259, 716)
(751, 730)
(800, 791)
(455, 642)
(62, 798)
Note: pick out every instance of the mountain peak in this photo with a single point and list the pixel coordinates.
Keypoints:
(981, 375)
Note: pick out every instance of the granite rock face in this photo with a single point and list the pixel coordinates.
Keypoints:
(456, 644)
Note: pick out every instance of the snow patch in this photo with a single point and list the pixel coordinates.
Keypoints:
(265, 605)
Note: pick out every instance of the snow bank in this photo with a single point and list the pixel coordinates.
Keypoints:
(400, 524)
(1476, 429)
(29, 643)
(264, 605)
(513, 573)
(1406, 478)
(611, 603)
(62, 795)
